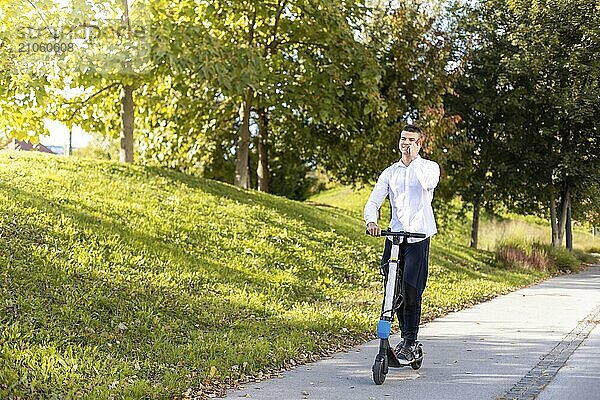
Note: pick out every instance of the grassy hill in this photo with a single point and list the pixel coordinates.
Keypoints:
(120, 281)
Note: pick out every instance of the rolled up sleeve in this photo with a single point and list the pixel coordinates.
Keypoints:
(427, 173)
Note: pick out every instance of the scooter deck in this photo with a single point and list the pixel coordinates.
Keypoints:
(393, 361)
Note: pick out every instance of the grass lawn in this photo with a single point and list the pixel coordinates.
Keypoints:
(120, 281)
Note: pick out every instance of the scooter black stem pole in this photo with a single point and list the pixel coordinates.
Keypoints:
(384, 345)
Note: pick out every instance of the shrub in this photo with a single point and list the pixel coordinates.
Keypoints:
(564, 260)
(539, 256)
(518, 255)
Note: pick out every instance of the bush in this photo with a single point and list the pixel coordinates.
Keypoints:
(517, 254)
(564, 260)
(538, 256)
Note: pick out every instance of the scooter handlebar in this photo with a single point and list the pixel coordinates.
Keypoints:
(387, 232)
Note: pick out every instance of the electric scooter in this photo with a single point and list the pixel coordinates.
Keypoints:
(386, 357)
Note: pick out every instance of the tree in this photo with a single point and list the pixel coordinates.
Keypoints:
(126, 99)
(558, 60)
(414, 48)
(315, 44)
(90, 53)
(514, 75)
(24, 94)
(474, 151)
(280, 61)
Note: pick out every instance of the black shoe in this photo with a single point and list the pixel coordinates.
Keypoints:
(400, 345)
(404, 352)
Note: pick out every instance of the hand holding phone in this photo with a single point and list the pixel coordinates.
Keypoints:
(415, 148)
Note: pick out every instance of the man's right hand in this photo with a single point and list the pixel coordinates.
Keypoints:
(374, 229)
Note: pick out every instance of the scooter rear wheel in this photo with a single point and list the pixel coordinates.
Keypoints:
(379, 371)
(419, 358)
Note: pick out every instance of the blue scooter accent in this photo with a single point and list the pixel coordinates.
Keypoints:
(383, 329)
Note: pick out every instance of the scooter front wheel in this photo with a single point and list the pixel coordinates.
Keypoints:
(379, 370)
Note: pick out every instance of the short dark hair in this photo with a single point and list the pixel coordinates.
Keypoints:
(411, 128)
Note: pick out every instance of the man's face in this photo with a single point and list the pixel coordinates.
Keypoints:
(407, 139)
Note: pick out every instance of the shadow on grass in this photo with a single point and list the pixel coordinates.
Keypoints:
(156, 247)
(166, 333)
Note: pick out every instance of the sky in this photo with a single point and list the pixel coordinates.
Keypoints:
(59, 135)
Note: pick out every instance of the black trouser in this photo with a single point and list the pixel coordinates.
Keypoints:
(413, 260)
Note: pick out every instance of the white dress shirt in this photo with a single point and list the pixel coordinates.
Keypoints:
(411, 191)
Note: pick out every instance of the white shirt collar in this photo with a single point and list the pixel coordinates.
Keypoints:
(401, 164)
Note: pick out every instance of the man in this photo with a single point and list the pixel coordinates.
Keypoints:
(410, 184)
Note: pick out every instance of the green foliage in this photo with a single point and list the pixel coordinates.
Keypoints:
(413, 46)
(299, 62)
(290, 176)
(560, 78)
(315, 67)
(474, 152)
(518, 63)
(564, 260)
(523, 255)
(138, 282)
(192, 132)
(23, 74)
(586, 204)
(587, 257)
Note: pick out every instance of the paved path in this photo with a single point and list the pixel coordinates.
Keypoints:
(540, 342)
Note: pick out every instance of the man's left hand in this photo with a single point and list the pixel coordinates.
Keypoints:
(414, 149)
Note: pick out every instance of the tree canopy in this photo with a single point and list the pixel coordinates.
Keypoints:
(262, 93)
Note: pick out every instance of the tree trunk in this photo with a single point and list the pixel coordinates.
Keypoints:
(242, 150)
(475, 224)
(263, 153)
(69, 147)
(554, 221)
(564, 204)
(568, 228)
(126, 153)
(127, 118)
(125, 16)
